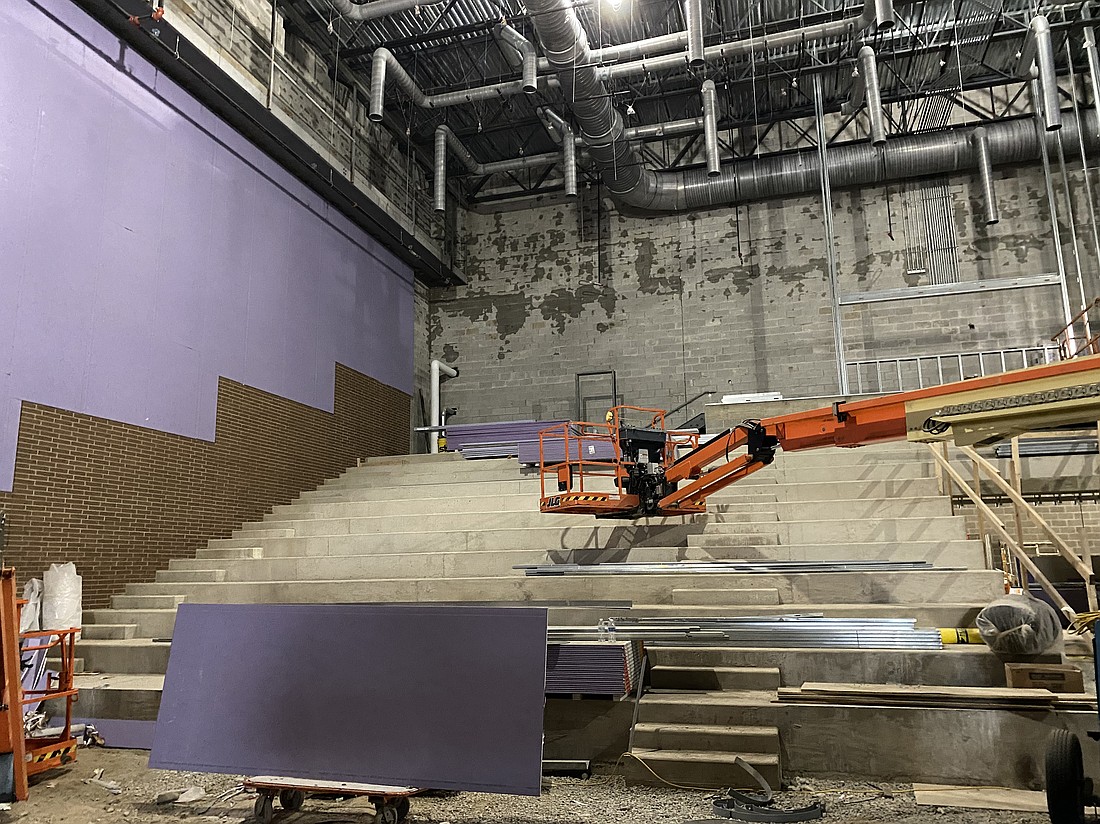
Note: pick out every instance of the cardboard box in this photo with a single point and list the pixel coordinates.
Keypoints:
(1053, 677)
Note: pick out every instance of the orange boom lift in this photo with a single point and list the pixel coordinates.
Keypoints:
(627, 469)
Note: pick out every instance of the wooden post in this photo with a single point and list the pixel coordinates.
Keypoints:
(1018, 486)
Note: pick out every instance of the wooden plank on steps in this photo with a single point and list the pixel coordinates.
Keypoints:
(979, 798)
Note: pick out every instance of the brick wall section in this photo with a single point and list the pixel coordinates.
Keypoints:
(1076, 522)
(120, 501)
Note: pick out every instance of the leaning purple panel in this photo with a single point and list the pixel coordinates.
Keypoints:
(440, 697)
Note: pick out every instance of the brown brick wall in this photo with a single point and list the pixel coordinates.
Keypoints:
(120, 500)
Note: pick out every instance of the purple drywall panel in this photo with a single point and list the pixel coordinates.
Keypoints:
(447, 698)
(147, 249)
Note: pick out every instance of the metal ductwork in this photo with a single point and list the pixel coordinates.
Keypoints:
(879, 13)
(1037, 61)
(693, 28)
(445, 138)
(865, 91)
(1094, 62)
(385, 66)
(985, 174)
(377, 8)
(631, 184)
(710, 128)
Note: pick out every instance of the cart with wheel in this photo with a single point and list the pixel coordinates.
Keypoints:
(391, 804)
(1068, 789)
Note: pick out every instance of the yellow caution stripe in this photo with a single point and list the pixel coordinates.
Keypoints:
(48, 755)
(960, 635)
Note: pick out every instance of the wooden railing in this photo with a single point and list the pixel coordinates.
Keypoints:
(951, 477)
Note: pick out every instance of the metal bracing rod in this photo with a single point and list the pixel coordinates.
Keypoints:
(1086, 174)
(1094, 67)
(985, 174)
(1071, 221)
(445, 138)
(1067, 314)
(830, 243)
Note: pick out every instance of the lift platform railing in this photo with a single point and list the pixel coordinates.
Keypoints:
(1078, 337)
(586, 460)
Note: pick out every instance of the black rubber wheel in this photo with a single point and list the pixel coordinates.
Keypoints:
(291, 800)
(1065, 779)
(386, 814)
(264, 809)
(403, 806)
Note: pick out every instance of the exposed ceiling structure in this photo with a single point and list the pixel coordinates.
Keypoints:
(938, 62)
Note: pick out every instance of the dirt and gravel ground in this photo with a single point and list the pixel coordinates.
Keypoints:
(64, 798)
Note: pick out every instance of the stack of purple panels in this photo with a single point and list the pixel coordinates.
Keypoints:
(500, 439)
(593, 667)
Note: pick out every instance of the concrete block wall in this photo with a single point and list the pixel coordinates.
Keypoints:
(304, 91)
(734, 299)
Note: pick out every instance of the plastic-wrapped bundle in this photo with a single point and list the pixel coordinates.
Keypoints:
(61, 597)
(30, 616)
(1019, 625)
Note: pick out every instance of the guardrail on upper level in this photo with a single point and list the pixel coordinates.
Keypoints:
(918, 371)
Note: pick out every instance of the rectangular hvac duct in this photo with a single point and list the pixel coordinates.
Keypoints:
(446, 698)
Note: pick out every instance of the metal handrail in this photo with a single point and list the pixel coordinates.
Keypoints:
(901, 369)
(672, 412)
(1067, 338)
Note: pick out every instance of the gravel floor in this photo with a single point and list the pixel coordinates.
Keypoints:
(64, 797)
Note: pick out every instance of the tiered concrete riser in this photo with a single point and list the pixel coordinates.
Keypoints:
(441, 529)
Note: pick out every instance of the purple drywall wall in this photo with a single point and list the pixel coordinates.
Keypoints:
(147, 248)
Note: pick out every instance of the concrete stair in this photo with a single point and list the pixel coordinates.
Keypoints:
(440, 529)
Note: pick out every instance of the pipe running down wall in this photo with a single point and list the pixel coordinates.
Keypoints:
(1037, 60)
(985, 175)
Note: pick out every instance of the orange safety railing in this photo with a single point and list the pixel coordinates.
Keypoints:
(1073, 343)
(584, 457)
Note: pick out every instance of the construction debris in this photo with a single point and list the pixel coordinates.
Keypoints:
(787, 631)
(979, 798)
(726, 567)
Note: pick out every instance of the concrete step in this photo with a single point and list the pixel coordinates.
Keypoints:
(406, 506)
(118, 695)
(888, 587)
(585, 535)
(944, 528)
(149, 623)
(132, 655)
(829, 510)
(165, 598)
(259, 531)
(838, 488)
(692, 768)
(175, 575)
(453, 522)
(957, 664)
(229, 553)
(855, 456)
(719, 597)
(694, 677)
(780, 472)
(958, 614)
(452, 473)
(54, 665)
(411, 489)
(963, 553)
(709, 708)
(108, 632)
(707, 738)
(443, 458)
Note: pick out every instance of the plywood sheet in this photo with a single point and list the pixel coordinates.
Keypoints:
(980, 798)
(433, 697)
